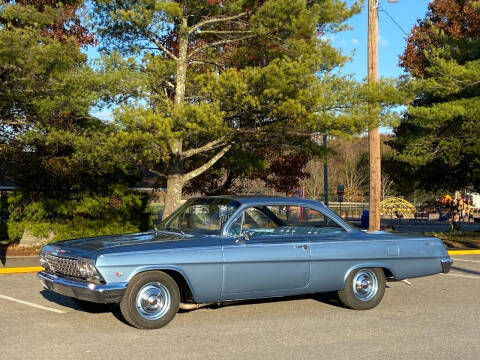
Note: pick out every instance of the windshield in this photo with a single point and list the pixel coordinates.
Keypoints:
(201, 216)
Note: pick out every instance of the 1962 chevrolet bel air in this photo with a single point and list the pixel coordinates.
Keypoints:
(217, 249)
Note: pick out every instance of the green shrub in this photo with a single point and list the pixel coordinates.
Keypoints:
(84, 215)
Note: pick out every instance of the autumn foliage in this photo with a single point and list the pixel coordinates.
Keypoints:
(437, 140)
(446, 20)
(68, 24)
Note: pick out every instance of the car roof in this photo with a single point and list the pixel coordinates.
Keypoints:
(246, 200)
(256, 199)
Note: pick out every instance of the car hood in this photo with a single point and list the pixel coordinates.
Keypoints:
(123, 240)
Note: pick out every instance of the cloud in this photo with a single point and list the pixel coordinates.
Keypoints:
(354, 41)
(329, 37)
(382, 41)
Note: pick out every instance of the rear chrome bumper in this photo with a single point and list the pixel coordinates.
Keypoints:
(98, 293)
(446, 264)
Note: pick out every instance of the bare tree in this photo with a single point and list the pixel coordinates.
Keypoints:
(314, 183)
(387, 186)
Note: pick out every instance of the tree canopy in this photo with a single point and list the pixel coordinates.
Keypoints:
(204, 76)
(47, 134)
(70, 181)
(439, 136)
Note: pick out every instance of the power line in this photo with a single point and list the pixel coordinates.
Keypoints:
(391, 18)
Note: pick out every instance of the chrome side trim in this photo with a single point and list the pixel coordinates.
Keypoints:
(446, 264)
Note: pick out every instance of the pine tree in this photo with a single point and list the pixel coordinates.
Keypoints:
(69, 177)
(203, 74)
(438, 139)
(48, 139)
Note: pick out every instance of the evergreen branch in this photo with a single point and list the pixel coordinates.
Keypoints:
(224, 32)
(159, 174)
(263, 129)
(211, 145)
(13, 122)
(202, 62)
(194, 173)
(220, 42)
(159, 45)
(214, 20)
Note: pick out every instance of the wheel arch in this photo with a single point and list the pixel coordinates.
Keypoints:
(186, 290)
(387, 269)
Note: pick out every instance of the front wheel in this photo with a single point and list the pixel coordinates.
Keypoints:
(364, 289)
(151, 300)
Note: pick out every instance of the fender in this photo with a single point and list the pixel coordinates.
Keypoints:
(161, 268)
(370, 265)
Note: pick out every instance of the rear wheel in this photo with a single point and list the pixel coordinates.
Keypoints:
(364, 289)
(151, 300)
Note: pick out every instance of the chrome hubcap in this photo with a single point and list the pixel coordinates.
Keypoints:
(365, 285)
(153, 301)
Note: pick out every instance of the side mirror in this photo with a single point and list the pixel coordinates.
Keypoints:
(246, 236)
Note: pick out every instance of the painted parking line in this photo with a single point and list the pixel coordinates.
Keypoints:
(17, 270)
(465, 276)
(28, 303)
(457, 259)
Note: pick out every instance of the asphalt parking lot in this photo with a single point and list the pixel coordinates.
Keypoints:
(437, 317)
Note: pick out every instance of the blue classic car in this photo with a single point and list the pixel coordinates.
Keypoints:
(217, 249)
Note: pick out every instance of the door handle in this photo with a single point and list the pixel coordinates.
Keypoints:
(304, 247)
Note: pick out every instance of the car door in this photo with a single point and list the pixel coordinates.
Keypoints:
(266, 261)
(332, 252)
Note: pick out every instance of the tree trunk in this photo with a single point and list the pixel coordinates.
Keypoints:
(175, 180)
(173, 197)
(182, 63)
(176, 177)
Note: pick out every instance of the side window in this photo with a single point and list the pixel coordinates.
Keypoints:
(297, 217)
(236, 227)
(283, 220)
(258, 221)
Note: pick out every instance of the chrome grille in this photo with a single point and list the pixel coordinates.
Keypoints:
(63, 265)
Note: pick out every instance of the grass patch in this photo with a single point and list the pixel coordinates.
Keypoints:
(459, 239)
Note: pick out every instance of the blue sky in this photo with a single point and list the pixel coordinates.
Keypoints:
(391, 39)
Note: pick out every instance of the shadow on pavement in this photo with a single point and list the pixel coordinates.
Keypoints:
(466, 271)
(329, 298)
(85, 306)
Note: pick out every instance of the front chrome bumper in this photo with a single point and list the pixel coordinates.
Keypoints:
(98, 293)
(446, 264)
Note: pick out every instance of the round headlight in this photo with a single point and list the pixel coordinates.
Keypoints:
(87, 268)
(43, 260)
(91, 272)
(82, 266)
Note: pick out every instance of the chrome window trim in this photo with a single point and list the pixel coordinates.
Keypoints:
(325, 211)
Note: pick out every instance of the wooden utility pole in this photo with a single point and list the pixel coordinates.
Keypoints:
(325, 171)
(373, 133)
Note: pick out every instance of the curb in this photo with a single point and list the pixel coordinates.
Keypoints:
(31, 269)
(19, 270)
(463, 252)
